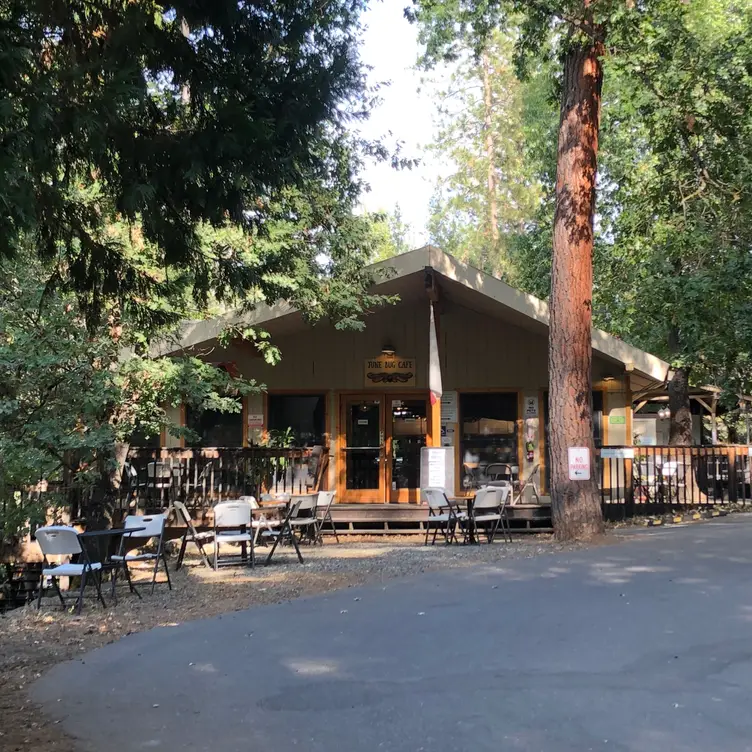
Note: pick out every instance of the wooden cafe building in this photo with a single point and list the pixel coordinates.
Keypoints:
(361, 398)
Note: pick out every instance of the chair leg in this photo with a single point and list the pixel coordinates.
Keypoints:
(80, 603)
(130, 581)
(181, 553)
(41, 589)
(216, 555)
(204, 557)
(277, 539)
(428, 530)
(334, 527)
(113, 580)
(167, 570)
(154, 573)
(297, 547)
(98, 585)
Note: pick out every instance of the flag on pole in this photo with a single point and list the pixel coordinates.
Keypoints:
(434, 364)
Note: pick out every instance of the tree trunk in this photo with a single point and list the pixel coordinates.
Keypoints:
(680, 433)
(490, 146)
(576, 508)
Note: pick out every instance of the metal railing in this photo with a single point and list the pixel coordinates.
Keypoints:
(658, 479)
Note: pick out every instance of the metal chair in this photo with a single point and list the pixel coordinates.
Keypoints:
(191, 535)
(489, 511)
(444, 515)
(154, 525)
(233, 524)
(59, 540)
(324, 503)
(261, 522)
(301, 517)
(529, 482)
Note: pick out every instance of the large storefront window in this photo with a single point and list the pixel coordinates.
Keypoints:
(215, 429)
(489, 434)
(297, 419)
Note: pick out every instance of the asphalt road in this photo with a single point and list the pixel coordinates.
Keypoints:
(643, 645)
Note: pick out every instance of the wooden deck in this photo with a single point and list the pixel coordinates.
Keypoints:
(406, 519)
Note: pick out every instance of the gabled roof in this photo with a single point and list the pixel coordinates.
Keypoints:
(463, 282)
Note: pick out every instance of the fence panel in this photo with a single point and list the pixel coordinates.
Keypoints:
(659, 479)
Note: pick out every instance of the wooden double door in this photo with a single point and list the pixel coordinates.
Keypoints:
(381, 437)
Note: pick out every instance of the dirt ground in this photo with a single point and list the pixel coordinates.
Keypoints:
(31, 642)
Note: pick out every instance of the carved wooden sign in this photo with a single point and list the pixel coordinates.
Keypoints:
(390, 370)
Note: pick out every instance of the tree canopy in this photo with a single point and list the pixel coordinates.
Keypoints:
(171, 118)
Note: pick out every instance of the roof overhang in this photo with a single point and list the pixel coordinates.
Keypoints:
(464, 283)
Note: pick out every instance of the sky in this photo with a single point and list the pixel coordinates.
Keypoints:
(391, 49)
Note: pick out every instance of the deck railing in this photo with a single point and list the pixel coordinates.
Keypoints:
(657, 479)
(201, 477)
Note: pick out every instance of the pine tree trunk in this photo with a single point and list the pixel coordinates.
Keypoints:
(576, 506)
(490, 147)
(680, 433)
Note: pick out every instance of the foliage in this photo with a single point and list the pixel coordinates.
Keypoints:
(485, 204)
(391, 232)
(675, 274)
(215, 131)
(69, 395)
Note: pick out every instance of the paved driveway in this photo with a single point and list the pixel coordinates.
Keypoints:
(644, 645)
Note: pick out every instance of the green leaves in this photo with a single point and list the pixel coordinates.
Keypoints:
(175, 122)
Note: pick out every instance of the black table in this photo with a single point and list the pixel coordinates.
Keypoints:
(99, 535)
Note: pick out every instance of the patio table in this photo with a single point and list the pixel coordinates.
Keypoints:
(97, 536)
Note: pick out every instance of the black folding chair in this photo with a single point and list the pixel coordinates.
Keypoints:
(301, 516)
(191, 535)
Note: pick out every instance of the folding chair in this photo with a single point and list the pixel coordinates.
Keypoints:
(233, 524)
(301, 517)
(58, 540)
(324, 503)
(444, 515)
(191, 535)
(159, 477)
(530, 482)
(154, 525)
(489, 511)
(130, 484)
(261, 522)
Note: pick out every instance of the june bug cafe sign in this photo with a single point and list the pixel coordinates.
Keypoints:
(390, 370)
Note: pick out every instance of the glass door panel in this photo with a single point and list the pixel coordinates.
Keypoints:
(408, 426)
(363, 450)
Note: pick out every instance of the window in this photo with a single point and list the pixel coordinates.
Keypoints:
(301, 416)
(215, 429)
(489, 433)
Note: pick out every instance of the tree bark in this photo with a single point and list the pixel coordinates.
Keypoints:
(680, 432)
(490, 147)
(576, 508)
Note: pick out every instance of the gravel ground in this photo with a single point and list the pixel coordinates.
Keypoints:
(32, 642)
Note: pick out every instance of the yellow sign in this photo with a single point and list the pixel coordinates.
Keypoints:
(390, 370)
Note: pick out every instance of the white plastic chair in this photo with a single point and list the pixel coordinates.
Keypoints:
(154, 525)
(489, 511)
(324, 502)
(233, 524)
(191, 535)
(261, 521)
(159, 477)
(445, 516)
(59, 540)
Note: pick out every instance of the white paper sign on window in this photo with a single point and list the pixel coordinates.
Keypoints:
(449, 407)
(255, 420)
(579, 463)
